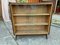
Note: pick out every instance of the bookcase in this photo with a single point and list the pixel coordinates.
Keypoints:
(31, 18)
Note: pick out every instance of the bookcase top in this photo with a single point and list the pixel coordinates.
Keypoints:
(42, 3)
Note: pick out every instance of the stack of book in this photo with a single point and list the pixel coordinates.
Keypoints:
(28, 1)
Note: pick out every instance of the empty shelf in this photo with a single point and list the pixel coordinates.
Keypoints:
(31, 32)
(31, 24)
(44, 14)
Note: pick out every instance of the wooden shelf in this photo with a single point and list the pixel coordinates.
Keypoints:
(18, 32)
(38, 24)
(43, 14)
(43, 3)
(31, 24)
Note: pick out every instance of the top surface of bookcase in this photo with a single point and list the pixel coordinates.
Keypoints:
(42, 3)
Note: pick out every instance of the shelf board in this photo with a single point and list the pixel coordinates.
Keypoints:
(43, 14)
(31, 32)
(31, 24)
(42, 3)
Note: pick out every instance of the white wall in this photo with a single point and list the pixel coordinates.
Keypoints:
(5, 11)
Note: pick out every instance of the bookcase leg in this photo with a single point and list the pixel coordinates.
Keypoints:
(46, 36)
(48, 33)
(15, 37)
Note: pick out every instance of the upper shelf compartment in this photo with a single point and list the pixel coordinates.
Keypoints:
(33, 8)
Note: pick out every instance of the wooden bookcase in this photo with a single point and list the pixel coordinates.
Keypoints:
(31, 19)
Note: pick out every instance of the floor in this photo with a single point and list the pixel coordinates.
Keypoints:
(56, 20)
(7, 37)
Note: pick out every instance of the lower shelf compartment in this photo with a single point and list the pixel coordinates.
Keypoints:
(22, 32)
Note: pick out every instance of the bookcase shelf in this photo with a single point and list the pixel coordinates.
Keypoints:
(31, 32)
(31, 24)
(43, 3)
(45, 14)
(31, 18)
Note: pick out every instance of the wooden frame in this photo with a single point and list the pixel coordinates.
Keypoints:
(27, 20)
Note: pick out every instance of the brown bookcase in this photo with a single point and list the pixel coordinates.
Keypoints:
(31, 19)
